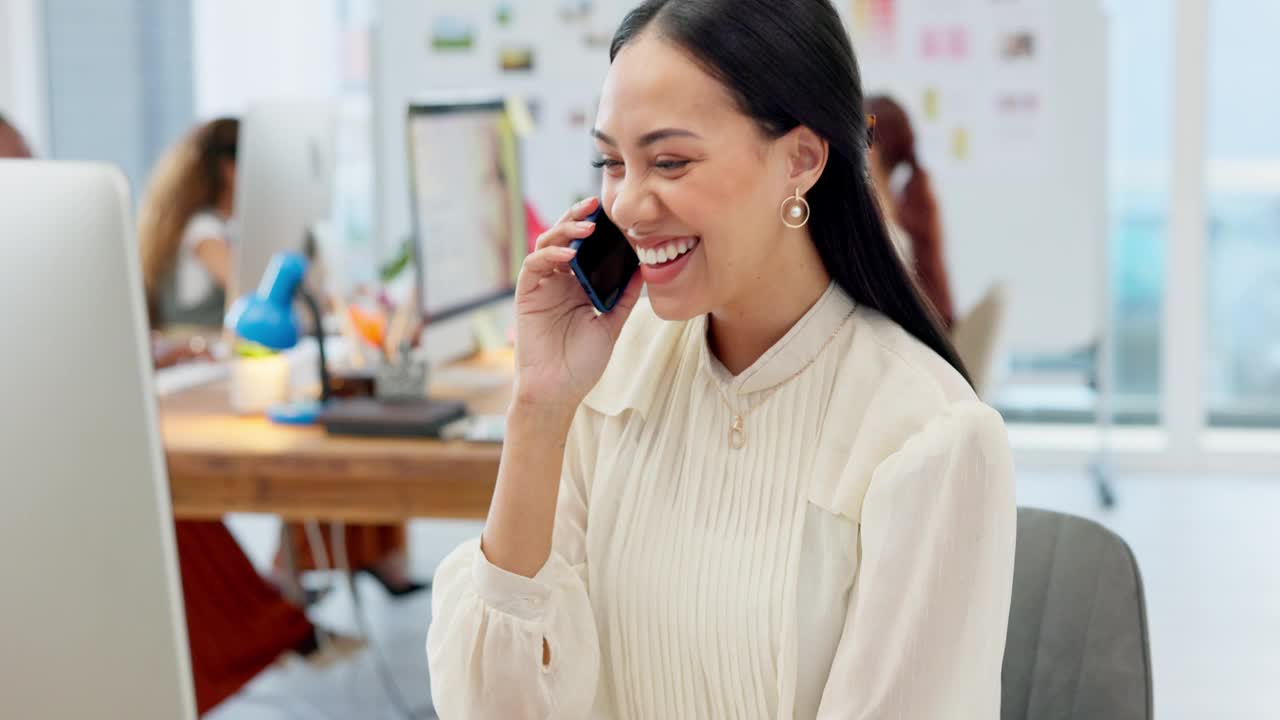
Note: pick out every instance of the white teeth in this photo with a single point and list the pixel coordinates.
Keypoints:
(666, 253)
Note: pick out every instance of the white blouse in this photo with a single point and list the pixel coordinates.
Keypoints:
(853, 559)
(194, 281)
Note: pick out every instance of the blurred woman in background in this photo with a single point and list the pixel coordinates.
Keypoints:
(912, 211)
(184, 227)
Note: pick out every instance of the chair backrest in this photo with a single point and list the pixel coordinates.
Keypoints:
(977, 336)
(91, 620)
(1077, 647)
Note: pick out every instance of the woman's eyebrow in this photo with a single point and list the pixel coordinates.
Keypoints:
(648, 138)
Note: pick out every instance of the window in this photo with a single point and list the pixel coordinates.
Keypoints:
(1242, 255)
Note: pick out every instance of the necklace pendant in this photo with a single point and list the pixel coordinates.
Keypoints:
(737, 433)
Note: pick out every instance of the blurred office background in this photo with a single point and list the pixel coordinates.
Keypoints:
(1116, 169)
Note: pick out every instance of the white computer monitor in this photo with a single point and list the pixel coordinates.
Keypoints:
(92, 620)
(284, 184)
(467, 203)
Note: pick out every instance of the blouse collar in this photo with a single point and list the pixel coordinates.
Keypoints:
(790, 355)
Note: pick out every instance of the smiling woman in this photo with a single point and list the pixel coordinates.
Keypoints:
(767, 490)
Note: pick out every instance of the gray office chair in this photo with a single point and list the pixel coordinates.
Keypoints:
(1077, 647)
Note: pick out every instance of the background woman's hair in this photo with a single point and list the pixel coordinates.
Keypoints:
(187, 179)
(12, 144)
(915, 207)
(790, 63)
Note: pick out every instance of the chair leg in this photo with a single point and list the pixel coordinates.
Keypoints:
(292, 591)
(1102, 481)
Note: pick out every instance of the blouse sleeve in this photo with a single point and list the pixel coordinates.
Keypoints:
(925, 630)
(202, 226)
(485, 642)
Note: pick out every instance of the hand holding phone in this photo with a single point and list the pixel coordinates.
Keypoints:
(563, 337)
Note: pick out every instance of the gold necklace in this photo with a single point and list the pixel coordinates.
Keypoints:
(738, 428)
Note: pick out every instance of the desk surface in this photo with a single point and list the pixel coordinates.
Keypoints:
(220, 462)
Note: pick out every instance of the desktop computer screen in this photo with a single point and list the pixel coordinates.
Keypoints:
(284, 184)
(468, 205)
(93, 620)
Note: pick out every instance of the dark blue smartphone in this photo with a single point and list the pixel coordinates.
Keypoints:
(605, 262)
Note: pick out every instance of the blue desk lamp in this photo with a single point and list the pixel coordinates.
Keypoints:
(267, 318)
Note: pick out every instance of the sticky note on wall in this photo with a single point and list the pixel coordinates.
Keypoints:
(518, 112)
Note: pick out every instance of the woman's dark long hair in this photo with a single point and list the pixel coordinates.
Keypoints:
(790, 63)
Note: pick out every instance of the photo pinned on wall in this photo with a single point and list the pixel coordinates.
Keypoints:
(516, 59)
(597, 39)
(1018, 105)
(1018, 4)
(577, 117)
(1018, 45)
(575, 11)
(1016, 126)
(452, 33)
(875, 26)
(504, 14)
(949, 43)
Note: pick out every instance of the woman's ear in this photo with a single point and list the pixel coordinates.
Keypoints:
(807, 157)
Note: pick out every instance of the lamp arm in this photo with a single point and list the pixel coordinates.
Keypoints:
(314, 307)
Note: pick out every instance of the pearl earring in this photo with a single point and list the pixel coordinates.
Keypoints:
(795, 211)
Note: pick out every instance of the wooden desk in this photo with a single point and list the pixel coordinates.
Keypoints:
(221, 463)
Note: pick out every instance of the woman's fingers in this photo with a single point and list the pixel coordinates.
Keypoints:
(565, 233)
(541, 264)
(571, 226)
(579, 210)
(626, 303)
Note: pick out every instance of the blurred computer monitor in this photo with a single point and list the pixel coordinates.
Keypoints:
(91, 617)
(284, 184)
(468, 212)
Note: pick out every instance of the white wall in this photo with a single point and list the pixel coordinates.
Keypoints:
(1033, 217)
(22, 74)
(119, 81)
(247, 50)
(6, 57)
(1028, 206)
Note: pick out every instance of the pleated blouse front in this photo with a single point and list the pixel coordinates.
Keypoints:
(846, 551)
